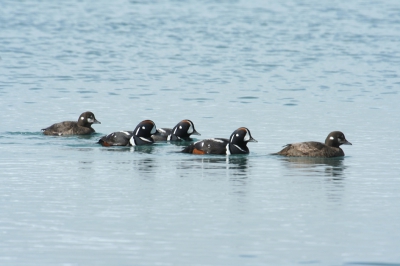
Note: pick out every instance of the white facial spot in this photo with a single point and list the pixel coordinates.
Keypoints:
(180, 127)
(90, 120)
(143, 127)
(237, 135)
(82, 118)
(332, 138)
(202, 144)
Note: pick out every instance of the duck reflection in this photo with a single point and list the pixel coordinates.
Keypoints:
(212, 162)
(332, 167)
(145, 166)
(140, 149)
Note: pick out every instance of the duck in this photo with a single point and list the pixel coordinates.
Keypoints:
(236, 144)
(81, 127)
(182, 131)
(141, 135)
(331, 148)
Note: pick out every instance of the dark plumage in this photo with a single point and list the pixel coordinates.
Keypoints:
(236, 144)
(82, 127)
(140, 136)
(182, 131)
(317, 149)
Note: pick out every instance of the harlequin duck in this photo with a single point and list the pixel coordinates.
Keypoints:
(82, 127)
(317, 149)
(181, 131)
(237, 144)
(140, 136)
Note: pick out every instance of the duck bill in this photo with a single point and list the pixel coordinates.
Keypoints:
(96, 121)
(345, 142)
(252, 140)
(196, 133)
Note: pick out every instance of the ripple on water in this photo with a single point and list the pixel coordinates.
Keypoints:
(197, 99)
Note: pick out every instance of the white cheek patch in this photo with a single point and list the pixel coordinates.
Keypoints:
(332, 138)
(247, 136)
(190, 130)
(153, 130)
(90, 120)
(82, 118)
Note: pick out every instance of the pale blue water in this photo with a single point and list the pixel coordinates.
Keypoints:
(288, 71)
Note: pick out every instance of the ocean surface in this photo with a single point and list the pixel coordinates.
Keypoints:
(290, 71)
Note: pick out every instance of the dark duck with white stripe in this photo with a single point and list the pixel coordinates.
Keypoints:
(140, 136)
(317, 149)
(182, 131)
(236, 144)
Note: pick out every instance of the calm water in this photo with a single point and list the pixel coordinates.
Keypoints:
(288, 71)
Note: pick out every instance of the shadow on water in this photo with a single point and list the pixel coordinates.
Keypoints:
(331, 167)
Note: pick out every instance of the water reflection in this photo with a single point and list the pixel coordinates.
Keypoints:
(239, 163)
(332, 167)
(145, 166)
(148, 149)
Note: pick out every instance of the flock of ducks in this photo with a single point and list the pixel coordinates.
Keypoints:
(146, 133)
